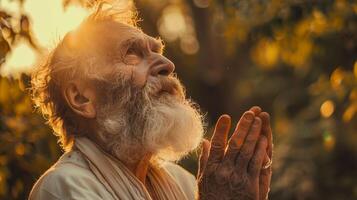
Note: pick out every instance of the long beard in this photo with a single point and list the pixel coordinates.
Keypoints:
(156, 119)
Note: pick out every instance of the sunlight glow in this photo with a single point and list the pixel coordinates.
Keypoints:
(169, 30)
(21, 59)
(50, 22)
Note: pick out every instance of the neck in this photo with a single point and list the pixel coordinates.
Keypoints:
(140, 169)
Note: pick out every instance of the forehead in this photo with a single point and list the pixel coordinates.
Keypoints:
(123, 35)
(107, 41)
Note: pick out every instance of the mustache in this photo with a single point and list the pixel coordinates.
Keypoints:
(165, 85)
(124, 89)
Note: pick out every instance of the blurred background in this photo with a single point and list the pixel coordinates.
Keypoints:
(297, 59)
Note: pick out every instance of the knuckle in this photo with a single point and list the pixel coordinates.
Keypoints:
(216, 146)
(232, 151)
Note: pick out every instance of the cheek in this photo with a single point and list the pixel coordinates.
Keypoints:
(137, 74)
(139, 78)
(140, 75)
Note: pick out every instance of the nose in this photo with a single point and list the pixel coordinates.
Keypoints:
(162, 66)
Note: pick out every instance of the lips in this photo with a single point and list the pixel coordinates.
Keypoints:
(168, 90)
(168, 87)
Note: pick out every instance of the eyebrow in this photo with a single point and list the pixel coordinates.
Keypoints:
(157, 45)
(154, 44)
(131, 42)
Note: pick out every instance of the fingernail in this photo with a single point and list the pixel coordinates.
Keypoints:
(249, 116)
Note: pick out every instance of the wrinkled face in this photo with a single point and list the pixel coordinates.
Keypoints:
(143, 108)
(132, 53)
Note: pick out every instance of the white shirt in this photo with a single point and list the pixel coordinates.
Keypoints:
(70, 178)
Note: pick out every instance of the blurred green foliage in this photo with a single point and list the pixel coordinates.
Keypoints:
(297, 59)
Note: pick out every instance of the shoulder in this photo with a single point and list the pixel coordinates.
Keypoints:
(68, 178)
(184, 178)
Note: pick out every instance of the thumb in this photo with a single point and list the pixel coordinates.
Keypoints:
(203, 157)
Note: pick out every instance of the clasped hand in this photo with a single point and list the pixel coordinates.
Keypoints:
(240, 167)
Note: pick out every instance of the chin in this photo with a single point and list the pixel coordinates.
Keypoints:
(173, 129)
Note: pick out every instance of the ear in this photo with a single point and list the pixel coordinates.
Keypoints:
(80, 98)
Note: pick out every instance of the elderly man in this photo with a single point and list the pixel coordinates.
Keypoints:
(122, 118)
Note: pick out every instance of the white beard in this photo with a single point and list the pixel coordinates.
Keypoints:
(166, 126)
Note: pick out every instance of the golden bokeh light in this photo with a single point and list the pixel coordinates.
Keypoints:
(266, 54)
(349, 113)
(182, 29)
(20, 149)
(337, 78)
(22, 57)
(318, 23)
(172, 31)
(327, 108)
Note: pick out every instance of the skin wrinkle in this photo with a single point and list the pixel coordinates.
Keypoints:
(233, 179)
(145, 114)
(135, 109)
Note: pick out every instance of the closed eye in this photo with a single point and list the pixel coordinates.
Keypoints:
(157, 46)
(134, 51)
(157, 50)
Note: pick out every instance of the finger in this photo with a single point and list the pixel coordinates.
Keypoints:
(266, 130)
(264, 188)
(203, 157)
(256, 109)
(266, 161)
(236, 141)
(255, 164)
(266, 158)
(219, 139)
(249, 144)
(264, 179)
